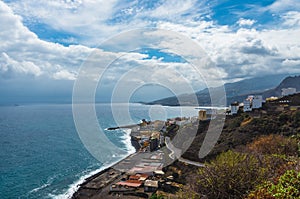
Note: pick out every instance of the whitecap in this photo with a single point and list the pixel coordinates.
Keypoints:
(39, 188)
(72, 188)
(127, 141)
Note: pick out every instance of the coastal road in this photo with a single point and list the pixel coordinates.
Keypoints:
(176, 153)
(198, 164)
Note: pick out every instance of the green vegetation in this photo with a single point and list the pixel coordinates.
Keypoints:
(230, 175)
(257, 156)
(155, 196)
(242, 129)
(268, 166)
(286, 187)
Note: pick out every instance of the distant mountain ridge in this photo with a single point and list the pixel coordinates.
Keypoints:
(267, 86)
(289, 82)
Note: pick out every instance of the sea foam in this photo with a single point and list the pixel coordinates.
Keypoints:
(72, 188)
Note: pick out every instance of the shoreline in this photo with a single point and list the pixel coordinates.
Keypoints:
(98, 184)
(84, 190)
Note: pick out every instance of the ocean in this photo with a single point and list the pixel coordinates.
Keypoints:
(41, 155)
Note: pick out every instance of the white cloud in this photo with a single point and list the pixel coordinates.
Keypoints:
(95, 21)
(291, 63)
(245, 22)
(9, 66)
(83, 18)
(172, 8)
(66, 14)
(64, 74)
(292, 19)
(244, 52)
(284, 5)
(237, 53)
(139, 72)
(24, 53)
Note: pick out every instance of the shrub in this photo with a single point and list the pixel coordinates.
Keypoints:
(288, 186)
(274, 144)
(155, 196)
(230, 175)
(283, 117)
(296, 117)
(186, 192)
(276, 165)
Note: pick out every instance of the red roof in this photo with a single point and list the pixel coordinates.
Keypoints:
(134, 177)
(138, 177)
(130, 183)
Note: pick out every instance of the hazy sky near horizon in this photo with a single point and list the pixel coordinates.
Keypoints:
(44, 43)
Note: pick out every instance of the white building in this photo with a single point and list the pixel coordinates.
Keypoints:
(234, 107)
(182, 122)
(161, 140)
(247, 105)
(288, 91)
(257, 102)
(194, 119)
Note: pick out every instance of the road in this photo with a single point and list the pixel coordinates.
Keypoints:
(176, 153)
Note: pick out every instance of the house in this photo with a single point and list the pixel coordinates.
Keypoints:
(247, 105)
(202, 115)
(159, 173)
(257, 102)
(234, 107)
(150, 185)
(288, 91)
(139, 177)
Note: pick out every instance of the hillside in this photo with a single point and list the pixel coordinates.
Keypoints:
(243, 128)
(286, 83)
(237, 91)
(262, 145)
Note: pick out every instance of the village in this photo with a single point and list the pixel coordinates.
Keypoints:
(143, 173)
(256, 102)
(148, 137)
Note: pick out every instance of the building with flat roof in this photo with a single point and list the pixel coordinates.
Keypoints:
(247, 105)
(150, 185)
(234, 107)
(257, 101)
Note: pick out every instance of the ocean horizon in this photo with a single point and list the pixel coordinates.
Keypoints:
(42, 155)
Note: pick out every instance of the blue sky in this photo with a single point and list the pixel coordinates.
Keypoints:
(44, 43)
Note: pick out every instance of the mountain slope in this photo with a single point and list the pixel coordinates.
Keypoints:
(288, 82)
(234, 91)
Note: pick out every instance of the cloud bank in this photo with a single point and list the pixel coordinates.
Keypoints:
(260, 40)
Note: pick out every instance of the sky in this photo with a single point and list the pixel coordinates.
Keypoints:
(45, 44)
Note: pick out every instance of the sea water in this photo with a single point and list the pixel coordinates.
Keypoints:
(41, 154)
